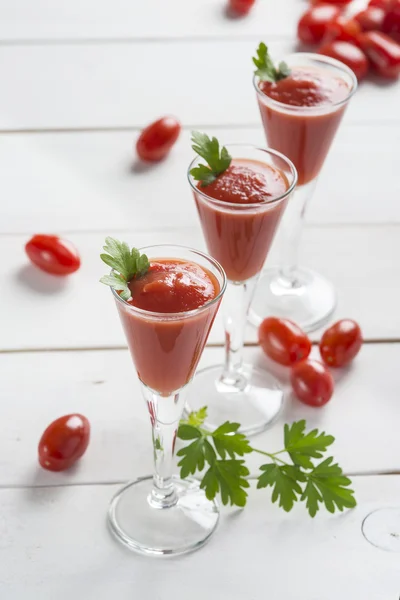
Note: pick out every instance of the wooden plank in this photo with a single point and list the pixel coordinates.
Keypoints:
(113, 85)
(77, 312)
(55, 544)
(37, 388)
(107, 19)
(92, 181)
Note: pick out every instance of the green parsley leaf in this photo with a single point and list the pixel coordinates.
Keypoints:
(228, 478)
(301, 446)
(217, 160)
(284, 479)
(196, 454)
(326, 484)
(266, 70)
(127, 264)
(228, 441)
(198, 417)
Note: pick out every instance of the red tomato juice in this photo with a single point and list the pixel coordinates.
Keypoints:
(165, 337)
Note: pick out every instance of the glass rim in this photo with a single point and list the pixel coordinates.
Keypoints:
(308, 109)
(254, 205)
(177, 315)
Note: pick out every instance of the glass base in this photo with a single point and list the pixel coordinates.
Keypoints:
(181, 528)
(309, 301)
(254, 399)
(381, 528)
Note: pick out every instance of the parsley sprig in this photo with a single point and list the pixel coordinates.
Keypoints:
(217, 160)
(220, 452)
(266, 69)
(127, 264)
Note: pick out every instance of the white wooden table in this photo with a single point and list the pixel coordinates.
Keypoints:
(79, 79)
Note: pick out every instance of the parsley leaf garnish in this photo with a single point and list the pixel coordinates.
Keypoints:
(127, 264)
(217, 160)
(218, 456)
(266, 69)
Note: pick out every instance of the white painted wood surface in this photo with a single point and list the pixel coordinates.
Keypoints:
(86, 65)
(93, 181)
(102, 385)
(113, 85)
(44, 312)
(115, 19)
(54, 544)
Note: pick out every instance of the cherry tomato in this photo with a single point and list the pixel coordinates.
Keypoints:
(240, 7)
(380, 3)
(342, 29)
(350, 55)
(383, 53)
(391, 22)
(312, 25)
(53, 254)
(371, 18)
(63, 442)
(341, 343)
(312, 383)
(157, 139)
(283, 341)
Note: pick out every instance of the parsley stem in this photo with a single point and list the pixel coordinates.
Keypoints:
(272, 456)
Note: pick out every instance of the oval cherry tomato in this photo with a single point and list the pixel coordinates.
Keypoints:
(391, 22)
(341, 343)
(312, 25)
(63, 442)
(345, 30)
(383, 53)
(283, 341)
(157, 139)
(53, 254)
(350, 55)
(371, 18)
(240, 7)
(380, 3)
(312, 383)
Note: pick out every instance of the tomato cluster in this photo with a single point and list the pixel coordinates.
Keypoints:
(286, 343)
(370, 38)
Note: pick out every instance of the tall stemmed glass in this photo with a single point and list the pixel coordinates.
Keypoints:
(163, 514)
(239, 237)
(304, 134)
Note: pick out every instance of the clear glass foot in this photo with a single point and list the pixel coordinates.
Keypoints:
(381, 528)
(309, 302)
(254, 398)
(181, 528)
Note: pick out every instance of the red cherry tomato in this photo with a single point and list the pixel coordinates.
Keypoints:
(380, 3)
(350, 55)
(371, 18)
(391, 22)
(342, 29)
(283, 341)
(341, 343)
(383, 53)
(312, 25)
(240, 7)
(53, 254)
(157, 139)
(63, 442)
(312, 383)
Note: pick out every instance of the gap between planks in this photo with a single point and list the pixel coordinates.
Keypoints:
(124, 481)
(112, 348)
(136, 128)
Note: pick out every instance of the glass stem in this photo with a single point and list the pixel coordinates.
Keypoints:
(165, 414)
(289, 233)
(235, 307)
